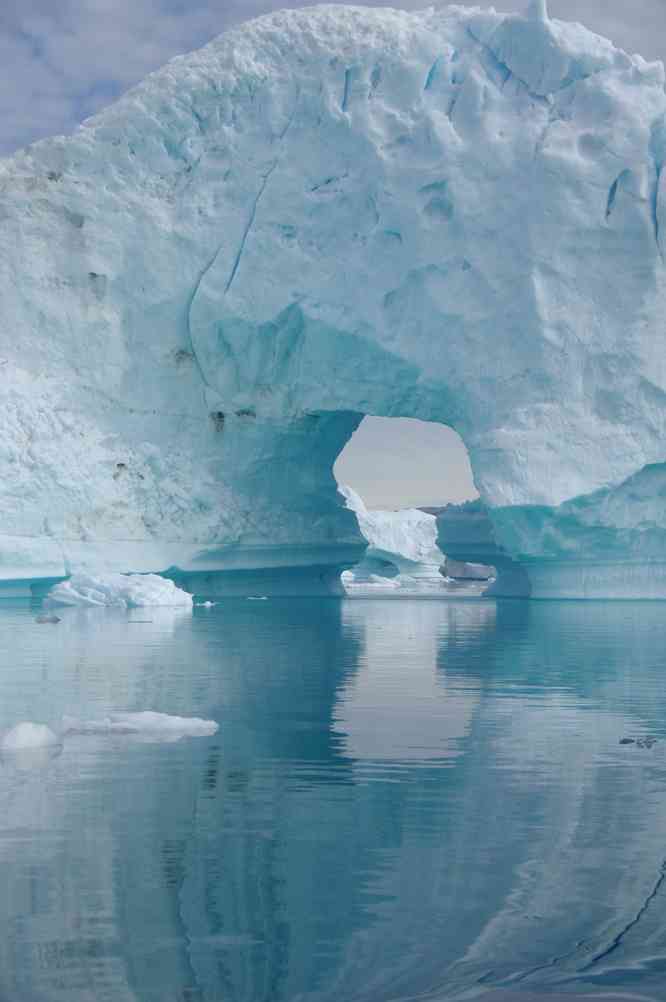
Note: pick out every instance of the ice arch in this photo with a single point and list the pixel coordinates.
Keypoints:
(452, 215)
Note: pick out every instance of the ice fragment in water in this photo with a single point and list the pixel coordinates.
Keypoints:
(145, 724)
(29, 735)
(124, 591)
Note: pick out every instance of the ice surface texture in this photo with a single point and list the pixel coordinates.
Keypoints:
(407, 538)
(120, 590)
(453, 215)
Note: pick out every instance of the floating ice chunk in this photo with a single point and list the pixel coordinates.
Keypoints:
(124, 591)
(257, 598)
(29, 735)
(29, 746)
(147, 725)
(206, 605)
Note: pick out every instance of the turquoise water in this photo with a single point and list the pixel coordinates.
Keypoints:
(404, 799)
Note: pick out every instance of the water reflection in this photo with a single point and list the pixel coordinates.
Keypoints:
(404, 798)
(401, 709)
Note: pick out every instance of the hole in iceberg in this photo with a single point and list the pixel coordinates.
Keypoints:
(397, 475)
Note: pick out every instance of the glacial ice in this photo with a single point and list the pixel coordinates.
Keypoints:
(28, 735)
(453, 214)
(406, 538)
(145, 724)
(467, 534)
(125, 591)
(402, 551)
(403, 556)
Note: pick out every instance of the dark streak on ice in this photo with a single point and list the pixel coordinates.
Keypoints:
(612, 195)
(431, 75)
(655, 206)
(248, 227)
(345, 96)
(253, 212)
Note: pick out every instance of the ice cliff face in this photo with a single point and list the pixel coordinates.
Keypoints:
(453, 215)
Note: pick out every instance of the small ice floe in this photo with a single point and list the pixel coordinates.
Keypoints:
(48, 619)
(257, 598)
(29, 735)
(29, 746)
(205, 605)
(122, 591)
(145, 725)
(32, 746)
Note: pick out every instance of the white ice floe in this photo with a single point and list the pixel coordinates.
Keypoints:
(29, 745)
(206, 605)
(28, 735)
(146, 724)
(125, 591)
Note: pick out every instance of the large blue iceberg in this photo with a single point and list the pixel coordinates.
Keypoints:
(454, 215)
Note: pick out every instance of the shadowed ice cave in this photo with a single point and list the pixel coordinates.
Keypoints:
(450, 215)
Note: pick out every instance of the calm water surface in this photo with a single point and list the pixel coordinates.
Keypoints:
(405, 800)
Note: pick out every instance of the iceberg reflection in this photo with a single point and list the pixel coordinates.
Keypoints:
(402, 799)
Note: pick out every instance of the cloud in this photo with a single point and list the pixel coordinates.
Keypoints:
(66, 60)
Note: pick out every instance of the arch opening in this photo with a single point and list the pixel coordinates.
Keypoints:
(398, 475)
(397, 463)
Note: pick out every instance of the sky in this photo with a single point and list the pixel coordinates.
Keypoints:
(64, 60)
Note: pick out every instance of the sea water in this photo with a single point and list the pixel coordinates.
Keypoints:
(414, 799)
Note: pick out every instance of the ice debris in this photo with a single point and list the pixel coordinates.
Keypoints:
(31, 745)
(29, 735)
(146, 724)
(124, 591)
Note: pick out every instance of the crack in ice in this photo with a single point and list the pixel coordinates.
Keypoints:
(248, 228)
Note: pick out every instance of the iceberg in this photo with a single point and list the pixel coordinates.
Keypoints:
(403, 557)
(406, 538)
(452, 214)
(124, 591)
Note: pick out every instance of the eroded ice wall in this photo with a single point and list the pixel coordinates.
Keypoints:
(452, 215)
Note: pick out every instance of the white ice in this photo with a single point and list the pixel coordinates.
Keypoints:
(125, 591)
(145, 724)
(28, 735)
